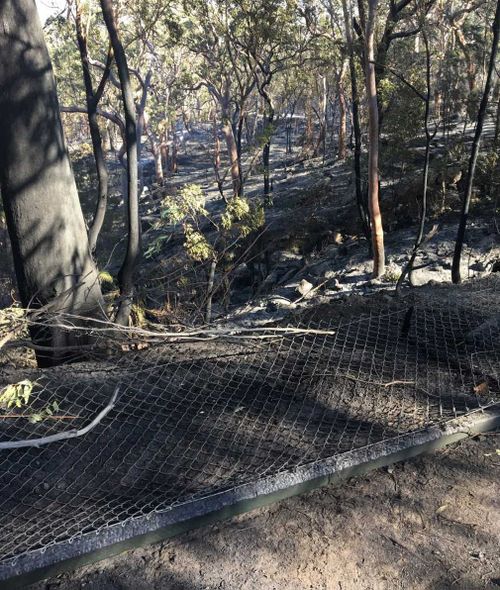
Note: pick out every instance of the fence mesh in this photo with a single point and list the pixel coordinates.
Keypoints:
(194, 419)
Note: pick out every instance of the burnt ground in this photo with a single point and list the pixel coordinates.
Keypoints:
(429, 523)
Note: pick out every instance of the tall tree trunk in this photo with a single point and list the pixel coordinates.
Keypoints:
(164, 150)
(373, 143)
(321, 144)
(496, 138)
(156, 151)
(126, 276)
(308, 146)
(266, 150)
(141, 125)
(217, 159)
(155, 148)
(341, 148)
(239, 136)
(360, 196)
(52, 260)
(232, 148)
(175, 149)
(92, 99)
(455, 269)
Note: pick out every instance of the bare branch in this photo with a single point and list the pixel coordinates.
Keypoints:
(60, 436)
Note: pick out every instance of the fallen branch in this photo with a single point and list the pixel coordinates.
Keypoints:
(358, 380)
(45, 440)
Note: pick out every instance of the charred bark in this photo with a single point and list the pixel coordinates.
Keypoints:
(361, 203)
(481, 116)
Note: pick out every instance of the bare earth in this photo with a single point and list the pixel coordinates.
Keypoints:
(429, 523)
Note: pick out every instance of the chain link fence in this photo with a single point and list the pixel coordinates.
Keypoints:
(197, 419)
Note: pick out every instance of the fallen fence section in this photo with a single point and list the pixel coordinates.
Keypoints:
(204, 431)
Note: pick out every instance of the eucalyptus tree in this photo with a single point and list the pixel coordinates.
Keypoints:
(369, 23)
(126, 275)
(219, 70)
(269, 50)
(92, 97)
(54, 267)
(352, 53)
(430, 133)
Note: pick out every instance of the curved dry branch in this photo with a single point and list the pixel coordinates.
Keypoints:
(45, 440)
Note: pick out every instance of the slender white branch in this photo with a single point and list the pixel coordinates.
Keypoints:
(45, 440)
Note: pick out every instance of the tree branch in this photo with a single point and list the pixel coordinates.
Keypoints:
(113, 117)
(45, 440)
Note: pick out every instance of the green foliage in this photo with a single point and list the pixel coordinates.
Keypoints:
(189, 203)
(188, 210)
(138, 314)
(472, 104)
(156, 246)
(386, 89)
(17, 395)
(196, 245)
(236, 210)
(105, 277)
(44, 413)
(241, 216)
(405, 110)
(83, 150)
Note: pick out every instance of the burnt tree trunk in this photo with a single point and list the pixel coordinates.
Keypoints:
(361, 203)
(126, 275)
(52, 259)
(429, 136)
(217, 160)
(373, 143)
(266, 154)
(481, 116)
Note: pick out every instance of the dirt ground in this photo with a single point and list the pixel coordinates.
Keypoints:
(429, 523)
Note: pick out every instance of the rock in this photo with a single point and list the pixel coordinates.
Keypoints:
(337, 238)
(335, 285)
(276, 303)
(304, 287)
(331, 275)
(289, 258)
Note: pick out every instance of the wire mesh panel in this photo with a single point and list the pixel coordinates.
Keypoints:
(192, 421)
